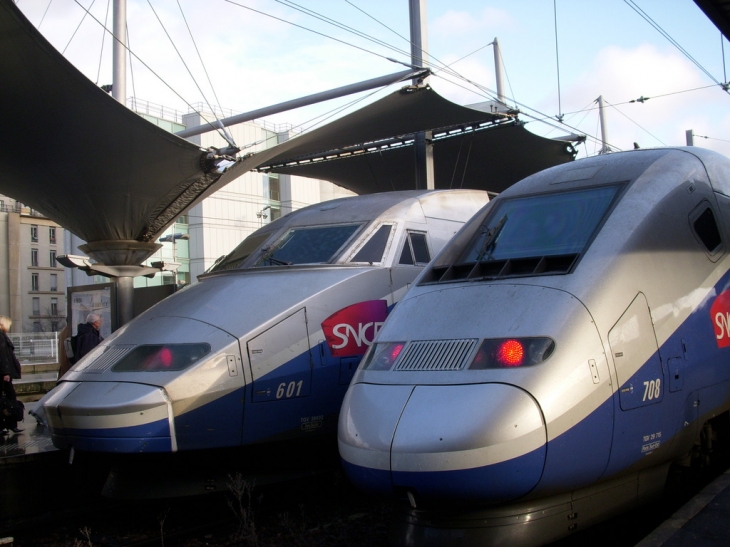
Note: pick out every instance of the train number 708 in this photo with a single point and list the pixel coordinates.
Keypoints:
(652, 389)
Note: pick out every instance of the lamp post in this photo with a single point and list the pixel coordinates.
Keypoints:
(261, 215)
(173, 239)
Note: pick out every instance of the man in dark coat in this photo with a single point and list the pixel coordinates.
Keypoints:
(9, 370)
(87, 336)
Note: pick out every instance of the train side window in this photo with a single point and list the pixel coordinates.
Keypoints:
(415, 249)
(705, 228)
(374, 248)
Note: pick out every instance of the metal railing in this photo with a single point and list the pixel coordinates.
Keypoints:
(35, 348)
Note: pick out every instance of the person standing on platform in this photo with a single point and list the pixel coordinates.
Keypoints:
(9, 370)
(87, 336)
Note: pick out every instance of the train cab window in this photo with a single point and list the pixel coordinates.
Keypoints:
(415, 249)
(542, 234)
(244, 249)
(374, 248)
(545, 225)
(308, 245)
(705, 227)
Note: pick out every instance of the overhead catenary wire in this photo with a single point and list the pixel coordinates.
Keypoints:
(557, 59)
(671, 40)
(447, 75)
(222, 132)
(200, 57)
(103, 35)
(77, 26)
(153, 72)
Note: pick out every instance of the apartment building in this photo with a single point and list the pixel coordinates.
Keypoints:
(32, 283)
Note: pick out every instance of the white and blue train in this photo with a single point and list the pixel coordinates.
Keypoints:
(264, 347)
(567, 346)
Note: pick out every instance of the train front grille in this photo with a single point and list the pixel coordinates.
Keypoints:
(437, 355)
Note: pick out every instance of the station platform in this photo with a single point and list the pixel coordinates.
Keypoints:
(704, 521)
(34, 441)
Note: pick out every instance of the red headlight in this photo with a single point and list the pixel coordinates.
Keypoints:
(382, 356)
(512, 352)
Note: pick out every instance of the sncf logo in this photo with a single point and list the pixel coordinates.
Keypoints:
(720, 315)
(352, 330)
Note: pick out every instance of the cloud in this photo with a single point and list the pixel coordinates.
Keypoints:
(672, 85)
(464, 24)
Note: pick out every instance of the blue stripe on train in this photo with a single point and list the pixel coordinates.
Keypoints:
(500, 482)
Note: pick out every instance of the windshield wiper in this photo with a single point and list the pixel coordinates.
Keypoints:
(268, 257)
(490, 242)
(276, 262)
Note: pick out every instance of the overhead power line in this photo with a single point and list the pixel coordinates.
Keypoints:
(671, 40)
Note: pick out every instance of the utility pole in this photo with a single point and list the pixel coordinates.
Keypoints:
(605, 149)
(423, 146)
(499, 71)
(119, 52)
(690, 135)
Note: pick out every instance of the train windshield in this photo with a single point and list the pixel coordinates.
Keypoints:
(236, 257)
(545, 225)
(308, 245)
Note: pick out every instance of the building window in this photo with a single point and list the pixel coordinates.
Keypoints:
(36, 306)
(52, 257)
(54, 282)
(274, 189)
(34, 257)
(54, 326)
(36, 326)
(34, 233)
(51, 234)
(34, 282)
(54, 306)
(182, 220)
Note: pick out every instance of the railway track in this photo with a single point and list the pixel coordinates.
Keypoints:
(321, 511)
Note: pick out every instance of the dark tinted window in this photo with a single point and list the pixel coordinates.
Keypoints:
(544, 225)
(373, 250)
(314, 245)
(420, 249)
(236, 257)
(415, 250)
(161, 358)
(406, 256)
(706, 229)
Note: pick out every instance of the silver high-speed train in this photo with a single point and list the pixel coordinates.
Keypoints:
(263, 348)
(567, 346)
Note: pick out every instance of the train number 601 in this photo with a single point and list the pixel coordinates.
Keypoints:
(652, 389)
(292, 389)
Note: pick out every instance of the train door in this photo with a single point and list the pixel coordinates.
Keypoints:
(641, 385)
(281, 361)
(281, 368)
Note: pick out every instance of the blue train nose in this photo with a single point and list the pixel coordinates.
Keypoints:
(477, 442)
(110, 417)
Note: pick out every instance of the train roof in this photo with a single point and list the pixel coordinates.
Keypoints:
(628, 166)
(369, 207)
(346, 218)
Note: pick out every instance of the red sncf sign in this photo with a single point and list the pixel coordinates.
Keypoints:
(720, 315)
(351, 330)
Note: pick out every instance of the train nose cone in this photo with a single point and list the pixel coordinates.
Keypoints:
(110, 417)
(481, 442)
(473, 443)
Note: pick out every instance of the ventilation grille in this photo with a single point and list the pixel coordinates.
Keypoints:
(497, 269)
(437, 355)
(103, 358)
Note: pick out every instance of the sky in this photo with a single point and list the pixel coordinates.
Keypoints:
(559, 56)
